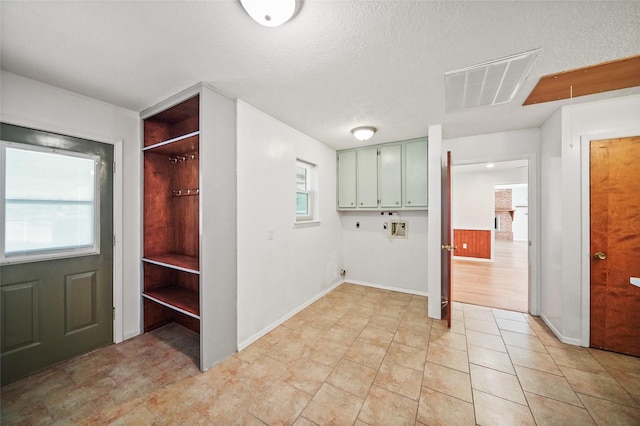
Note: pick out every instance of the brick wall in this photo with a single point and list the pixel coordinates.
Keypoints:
(503, 202)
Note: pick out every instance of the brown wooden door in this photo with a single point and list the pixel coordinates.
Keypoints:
(615, 244)
(447, 242)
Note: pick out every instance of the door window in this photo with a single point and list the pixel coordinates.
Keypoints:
(50, 205)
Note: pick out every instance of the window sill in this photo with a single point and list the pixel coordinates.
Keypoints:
(306, 223)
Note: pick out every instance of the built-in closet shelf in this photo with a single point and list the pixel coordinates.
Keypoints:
(181, 145)
(180, 262)
(176, 298)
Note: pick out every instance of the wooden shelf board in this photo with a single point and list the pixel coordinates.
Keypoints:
(176, 298)
(176, 261)
(184, 144)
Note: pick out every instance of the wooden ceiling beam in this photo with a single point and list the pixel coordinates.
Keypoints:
(612, 75)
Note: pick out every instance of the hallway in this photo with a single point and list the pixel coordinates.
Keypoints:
(500, 284)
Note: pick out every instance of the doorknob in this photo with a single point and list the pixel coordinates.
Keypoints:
(600, 255)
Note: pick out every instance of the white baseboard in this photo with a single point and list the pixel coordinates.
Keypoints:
(250, 340)
(386, 287)
(563, 339)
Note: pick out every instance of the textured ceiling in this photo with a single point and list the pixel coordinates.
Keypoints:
(336, 65)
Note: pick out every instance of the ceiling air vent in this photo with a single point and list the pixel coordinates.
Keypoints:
(490, 83)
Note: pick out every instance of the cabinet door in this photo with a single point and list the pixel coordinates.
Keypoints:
(347, 179)
(368, 177)
(391, 176)
(416, 174)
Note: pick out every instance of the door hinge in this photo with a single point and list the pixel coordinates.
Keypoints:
(114, 167)
(114, 240)
(114, 313)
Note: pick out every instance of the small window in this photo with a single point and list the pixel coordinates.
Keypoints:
(304, 191)
(50, 205)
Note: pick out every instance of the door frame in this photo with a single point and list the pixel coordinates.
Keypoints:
(533, 225)
(435, 156)
(533, 222)
(585, 252)
(118, 301)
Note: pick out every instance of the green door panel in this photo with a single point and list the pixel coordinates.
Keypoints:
(55, 309)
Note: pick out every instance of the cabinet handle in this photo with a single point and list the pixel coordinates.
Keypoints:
(397, 203)
(361, 203)
(408, 202)
(351, 203)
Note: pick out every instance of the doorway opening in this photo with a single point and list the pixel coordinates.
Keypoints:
(490, 218)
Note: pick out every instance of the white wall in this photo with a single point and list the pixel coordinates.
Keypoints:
(505, 146)
(372, 257)
(520, 203)
(551, 221)
(568, 199)
(278, 276)
(434, 221)
(33, 104)
(472, 200)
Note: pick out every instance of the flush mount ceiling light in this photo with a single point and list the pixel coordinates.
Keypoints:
(490, 166)
(363, 133)
(490, 83)
(270, 13)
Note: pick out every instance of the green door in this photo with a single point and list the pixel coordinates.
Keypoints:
(56, 248)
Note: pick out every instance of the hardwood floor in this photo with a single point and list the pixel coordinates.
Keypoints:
(500, 284)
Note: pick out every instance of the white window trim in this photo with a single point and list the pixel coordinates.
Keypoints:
(311, 219)
(49, 254)
(306, 223)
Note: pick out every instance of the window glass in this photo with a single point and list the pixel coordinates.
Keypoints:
(50, 201)
(304, 194)
(302, 204)
(301, 178)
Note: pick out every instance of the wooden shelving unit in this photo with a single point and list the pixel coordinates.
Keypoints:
(171, 260)
(188, 260)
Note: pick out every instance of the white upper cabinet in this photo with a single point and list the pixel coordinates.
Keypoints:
(390, 175)
(384, 177)
(347, 180)
(367, 181)
(415, 174)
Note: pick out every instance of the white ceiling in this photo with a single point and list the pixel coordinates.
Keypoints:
(336, 65)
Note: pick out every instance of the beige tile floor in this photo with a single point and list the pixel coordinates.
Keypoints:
(358, 356)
